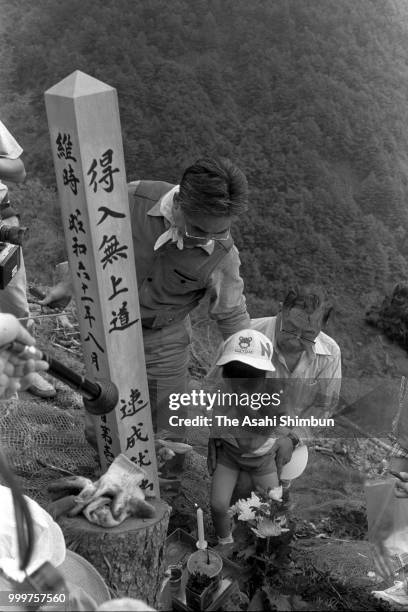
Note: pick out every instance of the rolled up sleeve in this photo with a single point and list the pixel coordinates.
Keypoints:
(227, 300)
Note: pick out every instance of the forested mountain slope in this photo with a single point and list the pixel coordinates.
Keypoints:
(309, 97)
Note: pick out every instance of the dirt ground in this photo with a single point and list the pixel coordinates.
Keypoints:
(329, 551)
(328, 509)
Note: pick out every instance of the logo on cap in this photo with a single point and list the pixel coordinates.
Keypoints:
(244, 343)
(266, 349)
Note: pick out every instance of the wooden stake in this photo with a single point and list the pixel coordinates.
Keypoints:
(86, 142)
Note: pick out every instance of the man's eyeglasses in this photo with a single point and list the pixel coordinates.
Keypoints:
(220, 236)
(298, 335)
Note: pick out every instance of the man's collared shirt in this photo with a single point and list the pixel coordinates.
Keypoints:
(227, 304)
(164, 208)
(318, 372)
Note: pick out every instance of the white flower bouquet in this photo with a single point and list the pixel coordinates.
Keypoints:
(263, 512)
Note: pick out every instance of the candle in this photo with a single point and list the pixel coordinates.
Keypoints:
(201, 544)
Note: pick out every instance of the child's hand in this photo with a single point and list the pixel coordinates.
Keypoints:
(284, 452)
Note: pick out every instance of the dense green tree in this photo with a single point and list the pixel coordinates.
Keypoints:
(309, 98)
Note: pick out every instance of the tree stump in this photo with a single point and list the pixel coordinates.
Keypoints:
(129, 557)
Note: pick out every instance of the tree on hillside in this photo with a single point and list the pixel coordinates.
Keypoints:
(304, 96)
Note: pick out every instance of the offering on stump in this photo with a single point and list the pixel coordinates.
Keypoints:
(206, 562)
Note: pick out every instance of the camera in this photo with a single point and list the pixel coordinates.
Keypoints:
(10, 258)
(15, 235)
(11, 239)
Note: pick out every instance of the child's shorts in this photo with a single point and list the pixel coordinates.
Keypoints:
(231, 457)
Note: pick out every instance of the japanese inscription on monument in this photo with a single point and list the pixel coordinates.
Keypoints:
(89, 163)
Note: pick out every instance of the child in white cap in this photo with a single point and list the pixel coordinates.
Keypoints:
(245, 359)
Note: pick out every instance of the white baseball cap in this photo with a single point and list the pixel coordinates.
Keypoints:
(248, 346)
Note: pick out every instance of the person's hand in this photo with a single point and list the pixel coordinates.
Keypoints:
(401, 488)
(58, 297)
(213, 443)
(15, 369)
(284, 450)
(167, 449)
